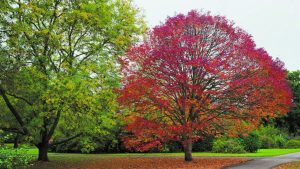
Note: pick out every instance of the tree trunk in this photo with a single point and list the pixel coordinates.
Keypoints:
(43, 151)
(16, 141)
(188, 151)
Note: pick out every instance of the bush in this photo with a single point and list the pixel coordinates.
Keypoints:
(13, 158)
(296, 138)
(110, 141)
(204, 144)
(251, 142)
(293, 143)
(173, 146)
(271, 137)
(228, 146)
(280, 141)
(267, 142)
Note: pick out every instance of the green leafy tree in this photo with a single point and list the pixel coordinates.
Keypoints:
(291, 121)
(59, 66)
(108, 141)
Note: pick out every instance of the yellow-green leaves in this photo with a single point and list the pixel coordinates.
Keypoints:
(61, 57)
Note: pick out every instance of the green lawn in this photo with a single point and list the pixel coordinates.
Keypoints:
(259, 153)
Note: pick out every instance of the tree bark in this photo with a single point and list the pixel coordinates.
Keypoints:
(16, 141)
(13, 110)
(188, 151)
(43, 151)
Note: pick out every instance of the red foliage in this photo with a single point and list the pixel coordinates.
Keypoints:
(198, 74)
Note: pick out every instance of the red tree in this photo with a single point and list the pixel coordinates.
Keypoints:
(198, 74)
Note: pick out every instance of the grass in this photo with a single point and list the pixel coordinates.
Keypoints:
(163, 160)
(259, 153)
(142, 160)
(30, 149)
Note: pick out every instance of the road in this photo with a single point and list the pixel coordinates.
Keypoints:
(268, 162)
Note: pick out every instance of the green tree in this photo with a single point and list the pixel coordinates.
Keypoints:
(59, 66)
(291, 121)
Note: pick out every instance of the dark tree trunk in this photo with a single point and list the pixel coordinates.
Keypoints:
(16, 141)
(43, 151)
(188, 151)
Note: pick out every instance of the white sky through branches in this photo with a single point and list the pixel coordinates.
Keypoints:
(274, 24)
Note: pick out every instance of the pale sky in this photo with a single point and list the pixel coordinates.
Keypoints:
(274, 24)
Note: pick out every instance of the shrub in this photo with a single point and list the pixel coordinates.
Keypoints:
(251, 142)
(204, 144)
(293, 143)
(174, 146)
(271, 137)
(13, 158)
(267, 142)
(228, 146)
(280, 141)
(109, 142)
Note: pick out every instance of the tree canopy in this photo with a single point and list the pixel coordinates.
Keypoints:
(194, 74)
(58, 66)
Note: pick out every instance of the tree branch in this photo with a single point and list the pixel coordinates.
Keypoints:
(13, 130)
(53, 127)
(66, 140)
(21, 98)
(13, 110)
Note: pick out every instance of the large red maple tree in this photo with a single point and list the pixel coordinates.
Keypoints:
(194, 74)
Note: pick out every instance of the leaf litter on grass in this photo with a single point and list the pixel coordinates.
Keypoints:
(139, 163)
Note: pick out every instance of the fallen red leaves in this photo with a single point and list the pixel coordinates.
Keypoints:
(291, 165)
(139, 163)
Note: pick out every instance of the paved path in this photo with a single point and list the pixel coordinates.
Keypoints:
(268, 162)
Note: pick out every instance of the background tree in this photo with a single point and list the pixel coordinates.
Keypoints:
(291, 120)
(58, 65)
(198, 74)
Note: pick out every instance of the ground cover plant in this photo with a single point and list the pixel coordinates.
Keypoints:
(12, 158)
